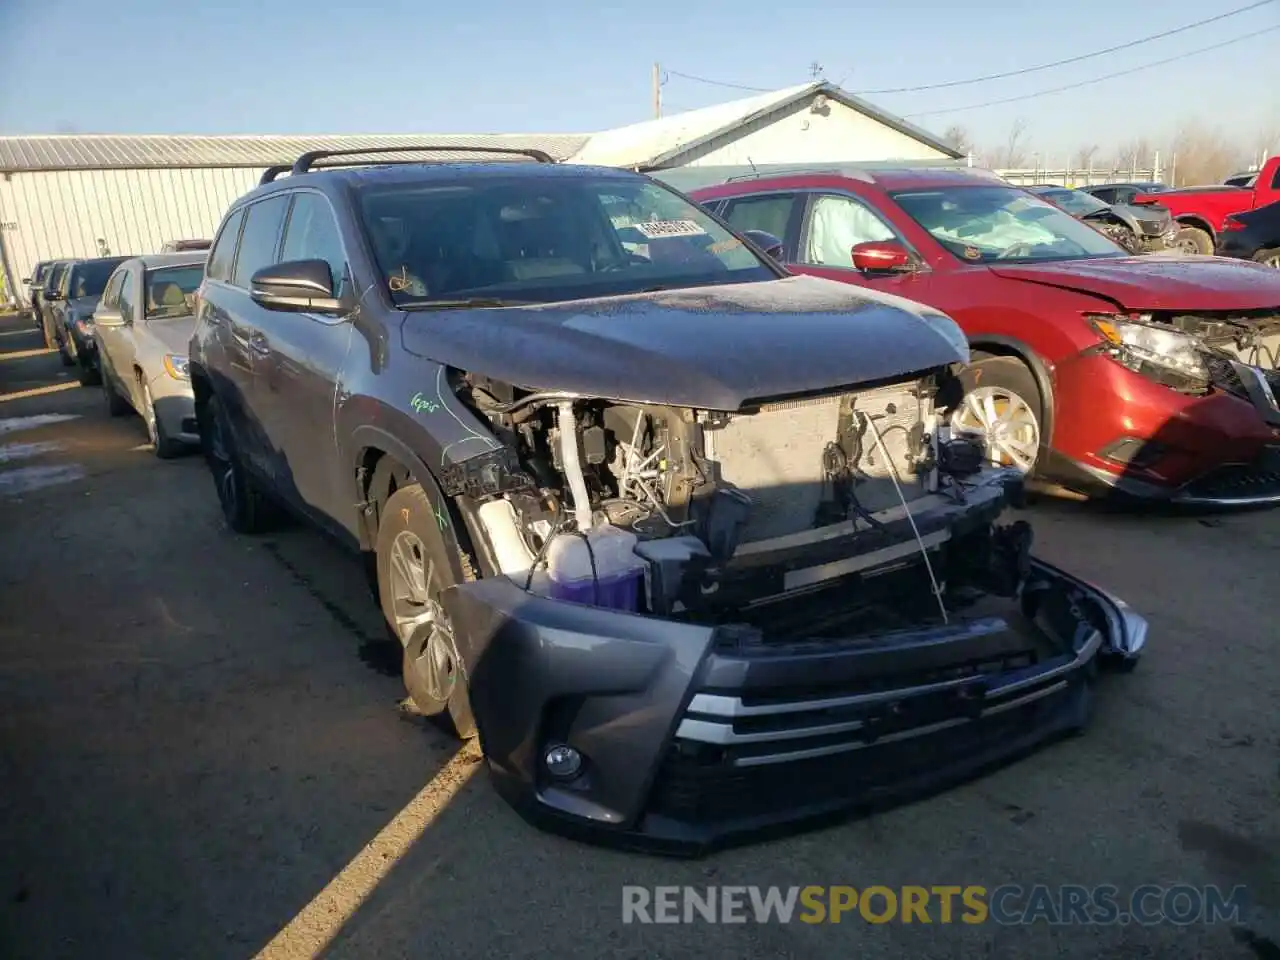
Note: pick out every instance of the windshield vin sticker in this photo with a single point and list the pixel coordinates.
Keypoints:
(654, 229)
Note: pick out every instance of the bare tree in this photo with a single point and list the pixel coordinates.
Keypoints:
(959, 137)
(1136, 154)
(1086, 156)
(1014, 152)
(1203, 155)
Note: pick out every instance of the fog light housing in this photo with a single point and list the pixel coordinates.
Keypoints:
(1132, 452)
(562, 761)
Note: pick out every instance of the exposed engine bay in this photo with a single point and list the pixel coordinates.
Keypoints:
(760, 516)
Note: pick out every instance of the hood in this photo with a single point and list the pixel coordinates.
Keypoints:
(710, 347)
(1182, 282)
(173, 334)
(1148, 214)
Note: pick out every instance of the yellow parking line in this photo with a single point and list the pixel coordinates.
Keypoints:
(24, 354)
(316, 924)
(39, 391)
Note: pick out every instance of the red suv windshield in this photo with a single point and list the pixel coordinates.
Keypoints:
(979, 224)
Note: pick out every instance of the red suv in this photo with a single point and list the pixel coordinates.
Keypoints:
(1154, 376)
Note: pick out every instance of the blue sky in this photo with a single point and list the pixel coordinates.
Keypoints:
(324, 66)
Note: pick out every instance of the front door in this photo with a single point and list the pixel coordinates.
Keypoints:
(295, 385)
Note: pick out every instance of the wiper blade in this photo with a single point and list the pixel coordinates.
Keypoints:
(463, 304)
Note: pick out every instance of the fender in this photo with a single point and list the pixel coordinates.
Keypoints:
(1191, 220)
(1042, 372)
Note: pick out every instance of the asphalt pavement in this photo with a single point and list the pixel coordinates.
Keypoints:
(203, 752)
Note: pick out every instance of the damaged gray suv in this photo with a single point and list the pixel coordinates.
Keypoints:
(685, 540)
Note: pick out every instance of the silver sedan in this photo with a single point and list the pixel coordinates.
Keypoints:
(142, 327)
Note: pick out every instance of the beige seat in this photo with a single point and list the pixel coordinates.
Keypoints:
(165, 297)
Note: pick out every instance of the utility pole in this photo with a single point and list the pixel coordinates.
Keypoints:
(657, 91)
(815, 70)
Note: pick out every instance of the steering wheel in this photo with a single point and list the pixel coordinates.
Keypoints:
(1017, 250)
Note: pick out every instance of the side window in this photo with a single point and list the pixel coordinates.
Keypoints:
(1107, 195)
(260, 238)
(312, 234)
(770, 213)
(224, 251)
(1275, 179)
(111, 295)
(836, 225)
(126, 294)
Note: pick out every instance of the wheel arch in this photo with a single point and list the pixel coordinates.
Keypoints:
(987, 346)
(1194, 220)
(374, 448)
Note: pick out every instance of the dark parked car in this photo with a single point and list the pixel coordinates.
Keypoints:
(50, 293)
(73, 314)
(1254, 235)
(34, 284)
(1124, 192)
(1112, 375)
(1136, 229)
(683, 539)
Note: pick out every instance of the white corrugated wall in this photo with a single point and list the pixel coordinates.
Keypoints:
(45, 216)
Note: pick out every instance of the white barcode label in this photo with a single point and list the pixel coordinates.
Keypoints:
(654, 229)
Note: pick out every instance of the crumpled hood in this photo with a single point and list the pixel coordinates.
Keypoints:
(709, 347)
(1182, 282)
(173, 334)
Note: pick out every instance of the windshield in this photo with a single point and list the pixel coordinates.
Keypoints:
(979, 224)
(545, 239)
(171, 291)
(1075, 202)
(90, 279)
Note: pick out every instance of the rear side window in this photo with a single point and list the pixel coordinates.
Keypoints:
(770, 214)
(312, 234)
(126, 294)
(260, 238)
(111, 296)
(224, 251)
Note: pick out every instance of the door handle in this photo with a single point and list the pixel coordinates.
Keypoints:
(259, 345)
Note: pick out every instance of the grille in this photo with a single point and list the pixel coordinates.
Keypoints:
(701, 784)
(1236, 481)
(775, 456)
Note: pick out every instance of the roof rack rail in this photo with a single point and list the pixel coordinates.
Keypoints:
(272, 172)
(304, 163)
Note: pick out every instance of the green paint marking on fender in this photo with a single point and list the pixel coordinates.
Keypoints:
(421, 404)
(441, 520)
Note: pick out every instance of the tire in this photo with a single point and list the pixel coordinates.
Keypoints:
(67, 359)
(1270, 257)
(1018, 406)
(166, 448)
(245, 506)
(1193, 240)
(87, 375)
(117, 406)
(415, 565)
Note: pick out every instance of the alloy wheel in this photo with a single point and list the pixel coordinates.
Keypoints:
(149, 416)
(1006, 422)
(1273, 260)
(420, 622)
(221, 465)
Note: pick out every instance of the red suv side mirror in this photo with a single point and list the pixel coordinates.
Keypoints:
(882, 256)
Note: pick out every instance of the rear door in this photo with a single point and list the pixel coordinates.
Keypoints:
(295, 387)
(777, 213)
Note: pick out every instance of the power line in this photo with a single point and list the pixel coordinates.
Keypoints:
(1000, 76)
(722, 83)
(1093, 80)
(1077, 59)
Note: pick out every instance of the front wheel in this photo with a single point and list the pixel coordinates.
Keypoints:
(1193, 240)
(245, 507)
(166, 448)
(1002, 406)
(414, 568)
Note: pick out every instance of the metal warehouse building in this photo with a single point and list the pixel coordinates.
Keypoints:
(85, 196)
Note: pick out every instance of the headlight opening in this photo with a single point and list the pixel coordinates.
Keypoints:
(1170, 357)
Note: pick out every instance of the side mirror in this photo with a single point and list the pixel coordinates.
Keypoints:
(299, 286)
(882, 256)
(108, 317)
(767, 242)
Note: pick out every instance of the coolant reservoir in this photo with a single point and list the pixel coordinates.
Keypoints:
(615, 582)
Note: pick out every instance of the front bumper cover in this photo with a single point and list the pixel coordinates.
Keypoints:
(691, 741)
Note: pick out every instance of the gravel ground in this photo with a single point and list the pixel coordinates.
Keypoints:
(202, 755)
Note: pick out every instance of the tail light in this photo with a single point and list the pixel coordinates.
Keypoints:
(1231, 223)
